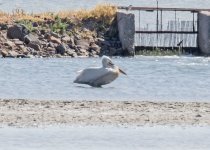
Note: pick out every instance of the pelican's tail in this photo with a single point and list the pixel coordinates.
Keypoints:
(76, 81)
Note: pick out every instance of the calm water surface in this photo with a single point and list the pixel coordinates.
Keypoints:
(103, 138)
(149, 78)
(57, 5)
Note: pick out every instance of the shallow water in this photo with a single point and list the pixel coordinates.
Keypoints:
(113, 138)
(57, 5)
(149, 78)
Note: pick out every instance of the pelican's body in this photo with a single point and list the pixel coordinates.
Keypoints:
(98, 76)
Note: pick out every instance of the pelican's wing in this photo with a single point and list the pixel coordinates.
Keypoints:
(96, 76)
(89, 74)
(106, 78)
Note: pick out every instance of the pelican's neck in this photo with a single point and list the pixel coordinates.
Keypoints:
(104, 65)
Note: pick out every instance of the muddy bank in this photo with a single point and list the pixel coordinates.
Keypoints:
(38, 113)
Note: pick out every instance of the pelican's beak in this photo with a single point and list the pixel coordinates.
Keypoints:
(122, 72)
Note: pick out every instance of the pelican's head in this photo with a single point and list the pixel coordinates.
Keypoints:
(107, 62)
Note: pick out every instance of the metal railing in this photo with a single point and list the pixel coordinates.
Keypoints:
(168, 33)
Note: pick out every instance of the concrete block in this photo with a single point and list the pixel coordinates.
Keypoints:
(204, 32)
(126, 28)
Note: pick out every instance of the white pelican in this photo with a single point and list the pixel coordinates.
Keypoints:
(98, 76)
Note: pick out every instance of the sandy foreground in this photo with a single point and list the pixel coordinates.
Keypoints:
(23, 113)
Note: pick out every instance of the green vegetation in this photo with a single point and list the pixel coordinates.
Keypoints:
(159, 52)
(58, 26)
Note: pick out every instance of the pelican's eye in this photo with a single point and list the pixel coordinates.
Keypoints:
(111, 64)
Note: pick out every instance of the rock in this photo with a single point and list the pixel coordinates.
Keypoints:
(50, 44)
(27, 39)
(9, 44)
(61, 49)
(30, 37)
(116, 51)
(17, 32)
(104, 47)
(51, 49)
(100, 39)
(35, 24)
(55, 35)
(89, 25)
(3, 27)
(82, 43)
(90, 38)
(12, 54)
(121, 52)
(25, 52)
(3, 36)
(95, 47)
(198, 115)
(21, 56)
(112, 51)
(18, 42)
(32, 41)
(85, 30)
(49, 21)
(4, 53)
(66, 39)
(77, 36)
(37, 31)
(34, 53)
(53, 39)
(93, 54)
(58, 56)
(82, 52)
(35, 45)
(30, 56)
(41, 38)
(30, 50)
(107, 43)
(71, 52)
(72, 41)
(43, 32)
(22, 47)
(44, 44)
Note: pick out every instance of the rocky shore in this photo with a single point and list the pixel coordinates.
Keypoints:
(21, 113)
(61, 35)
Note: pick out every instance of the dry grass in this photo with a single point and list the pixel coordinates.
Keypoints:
(104, 12)
(16, 15)
(4, 17)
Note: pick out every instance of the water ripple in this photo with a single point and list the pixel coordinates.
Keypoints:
(169, 78)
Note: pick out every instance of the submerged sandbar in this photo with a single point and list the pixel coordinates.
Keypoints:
(20, 113)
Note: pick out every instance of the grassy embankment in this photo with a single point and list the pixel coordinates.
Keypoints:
(70, 22)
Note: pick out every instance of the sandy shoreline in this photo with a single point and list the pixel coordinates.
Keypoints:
(23, 113)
